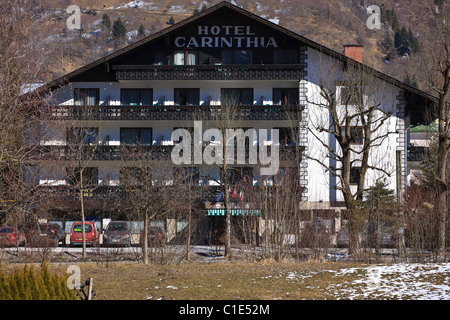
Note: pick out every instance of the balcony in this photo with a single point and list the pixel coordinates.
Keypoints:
(102, 153)
(204, 112)
(209, 72)
(120, 197)
(125, 153)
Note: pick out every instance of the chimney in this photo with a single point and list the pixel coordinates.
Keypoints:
(354, 51)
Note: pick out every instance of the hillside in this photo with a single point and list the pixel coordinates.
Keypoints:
(332, 23)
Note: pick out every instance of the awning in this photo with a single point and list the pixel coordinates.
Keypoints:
(234, 212)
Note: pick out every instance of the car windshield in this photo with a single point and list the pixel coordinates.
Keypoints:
(117, 227)
(5, 230)
(78, 228)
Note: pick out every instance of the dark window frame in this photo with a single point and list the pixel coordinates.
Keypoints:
(134, 178)
(286, 53)
(234, 57)
(85, 96)
(239, 176)
(285, 136)
(355, 175)
(191, 132)
(286, 175)
(187, 175)
(73, 138)
(296, 96)
(356, 139)
(139, 137)
(186, 55)
(157, 55)
(140, 96)
(239, 102)
(92, 175)
(175, 96)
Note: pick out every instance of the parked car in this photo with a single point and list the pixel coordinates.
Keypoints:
(386, 236)
(58, 230)
(117, 233)
(343, 238)
(10, 237)
(41, 235)
(315, 234)
(156, 237)
(76, 233)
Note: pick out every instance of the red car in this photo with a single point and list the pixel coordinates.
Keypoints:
(76, 233)
(155, 237)
(9, 236)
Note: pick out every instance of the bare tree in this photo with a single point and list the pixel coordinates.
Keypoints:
(223, 118)
(437, 67)
(22, 108)
(79, 149)
(350, 123)
(148, 179)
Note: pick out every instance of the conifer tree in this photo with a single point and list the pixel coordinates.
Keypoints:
(141, 30)
(5, 292)
(106, 22)
(119, 29)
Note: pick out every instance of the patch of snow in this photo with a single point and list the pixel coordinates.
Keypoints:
(177, 9)
(30, 87)
(399, 281)
(172, 287)
(131, 34)
(138, 4)
(260, 7)
(276, 21)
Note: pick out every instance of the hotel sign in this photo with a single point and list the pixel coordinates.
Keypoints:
(225, 37)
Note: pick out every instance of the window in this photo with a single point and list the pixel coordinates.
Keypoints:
(79, 228)
(191, 132)
(355, 175)
(187, 175)
(136, 136)
(136, 97)
(350, 96)
(132, 176)
(285, 136)
(237, 57)
(187, 97)
(227, 57)
(83, 136)
(185, 57)
(239, 96)
(86, 97)
(286, 176)
(285, 56)
(89, 176)
(285, 96)
(356, 135)
(159, 58)
(240, 175)
(117, 226)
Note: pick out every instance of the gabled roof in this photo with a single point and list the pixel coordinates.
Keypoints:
(178, 26)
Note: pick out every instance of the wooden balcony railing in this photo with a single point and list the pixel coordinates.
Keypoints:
(126, 153)
(105, 196)
(209, 72)
(102, 153)
(203, 112)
